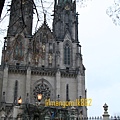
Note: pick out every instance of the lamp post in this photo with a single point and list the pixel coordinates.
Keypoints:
(17, 109)
(28, 108)
(39, 96)
(39, 112)
(20, 101)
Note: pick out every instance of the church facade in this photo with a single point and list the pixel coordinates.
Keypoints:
(47, 62)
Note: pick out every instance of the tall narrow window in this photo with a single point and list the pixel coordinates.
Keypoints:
(53, 47)
(15, 91)
(18, 48)
(67, 54)
(67, 92)
(21, 52)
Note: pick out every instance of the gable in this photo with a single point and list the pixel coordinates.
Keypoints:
(44, 34)
(67, 36)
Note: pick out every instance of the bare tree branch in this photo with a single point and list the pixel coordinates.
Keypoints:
(1, 6)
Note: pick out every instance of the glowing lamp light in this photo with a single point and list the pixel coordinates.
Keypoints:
(39, 96)
(19, 100)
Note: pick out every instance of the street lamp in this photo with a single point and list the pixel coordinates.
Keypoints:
(19, 100)
(39, 97)
(28, 107)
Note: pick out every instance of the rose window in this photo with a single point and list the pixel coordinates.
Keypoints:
(43, 89)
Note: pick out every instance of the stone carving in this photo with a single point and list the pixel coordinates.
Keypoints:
(36, 59)
(50, 59)
(43, 48)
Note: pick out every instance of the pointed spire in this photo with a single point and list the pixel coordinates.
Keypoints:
(55, 3)
(44, 18)
(74, 5)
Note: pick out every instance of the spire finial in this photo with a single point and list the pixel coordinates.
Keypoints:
(55, 3)
(44, 17)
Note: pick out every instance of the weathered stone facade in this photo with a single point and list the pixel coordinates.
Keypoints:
(49, 62)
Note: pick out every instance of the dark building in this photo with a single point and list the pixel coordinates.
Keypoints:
(47, 62)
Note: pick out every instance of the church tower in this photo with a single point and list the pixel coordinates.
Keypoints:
(68, 53)
(48, 62)
(15, 49)
(21, 15)
(19, 32)
(65, 19)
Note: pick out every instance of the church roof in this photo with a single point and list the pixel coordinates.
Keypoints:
(45, 29)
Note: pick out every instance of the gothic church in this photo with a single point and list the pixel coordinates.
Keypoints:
(47, 62)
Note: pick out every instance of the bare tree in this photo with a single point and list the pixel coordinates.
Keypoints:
(1, 6)
(114, 12)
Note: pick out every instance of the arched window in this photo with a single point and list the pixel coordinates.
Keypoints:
(67, 92)
(67, 54)
(43, 89)
(18, 51)
(16, 91)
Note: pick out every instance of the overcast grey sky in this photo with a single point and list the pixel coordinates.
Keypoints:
(100, 40)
